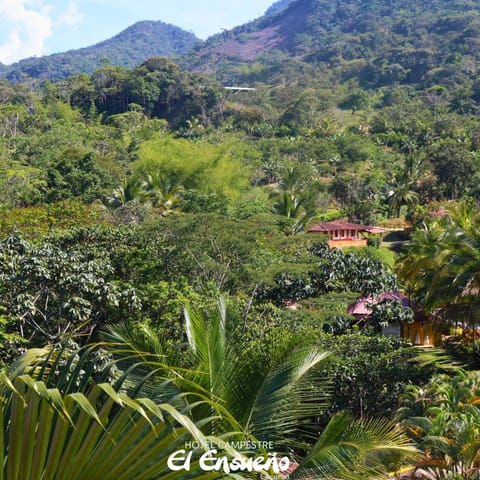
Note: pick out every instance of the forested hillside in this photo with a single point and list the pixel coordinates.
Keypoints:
(159, 285)
(376, 43)
(127, 49)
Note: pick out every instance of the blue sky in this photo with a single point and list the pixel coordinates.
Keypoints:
(41, 27)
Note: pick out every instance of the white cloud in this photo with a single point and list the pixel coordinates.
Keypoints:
(72, 17)
(28, 25)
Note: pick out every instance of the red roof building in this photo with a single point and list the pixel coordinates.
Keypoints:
(362, 307)
(343, 234)
(420, 332)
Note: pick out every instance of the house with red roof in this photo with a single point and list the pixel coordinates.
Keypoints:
(419, 332)
(345, 234)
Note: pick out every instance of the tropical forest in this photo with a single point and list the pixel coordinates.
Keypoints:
(252, 256)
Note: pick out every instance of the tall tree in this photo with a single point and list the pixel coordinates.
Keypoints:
(442, 263)
(453, 164)
(407, 183)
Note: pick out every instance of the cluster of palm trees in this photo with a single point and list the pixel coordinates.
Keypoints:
(443, 417)
(294, 200)
(154, 189)
(407, 183)
(441, 266)
(67, 415)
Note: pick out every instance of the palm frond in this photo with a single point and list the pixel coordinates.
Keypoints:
(104, 434)
(355, 450)
(272, 400)
(207, 340)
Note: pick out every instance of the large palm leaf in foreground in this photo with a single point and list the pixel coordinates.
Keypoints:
(48, 435)
(350, 449)
(100, 433)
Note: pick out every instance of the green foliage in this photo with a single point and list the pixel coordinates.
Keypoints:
(370, 373)
(320, 270)
(440, 264)
(388, 312)
(160, 88)
(23, 186)
(358, 100)
(105, 431)
(77, 175)
(465, 348)
(270, 396)
(355, 450)
(207, 190)
(203, 166)
(444, 419)
(383, 255)
(296, 198)
(365, 275)
(49, 294)
(96, 412)
(450, 156)
(254, 387)
(41, 220)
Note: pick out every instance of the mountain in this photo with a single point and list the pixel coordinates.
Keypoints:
(273, 31)
(278, 6)
(372, 43)
(379, 42)
(127, 49)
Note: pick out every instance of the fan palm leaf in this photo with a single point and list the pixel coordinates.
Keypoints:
(103, 434)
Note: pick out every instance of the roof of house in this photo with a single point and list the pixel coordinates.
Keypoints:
(326, 227)
(292, 467)
(362, 306)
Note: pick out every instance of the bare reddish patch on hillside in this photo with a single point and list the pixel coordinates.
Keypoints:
(280, 34)
(256, 43)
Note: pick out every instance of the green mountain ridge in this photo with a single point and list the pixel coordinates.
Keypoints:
(129, 48)
(379, 42)
(374, 43)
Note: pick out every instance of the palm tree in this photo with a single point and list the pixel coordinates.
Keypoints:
(163, 192)
(406, 184)
(132, 189)
(354, 450)
(328, 127)
(61, 423)
(268, 397)
(442, 265)
(288, 204)
(419, 265)
(154, 189)
(402, 194)
(294, 200)
(444, 419)
(80, 415)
